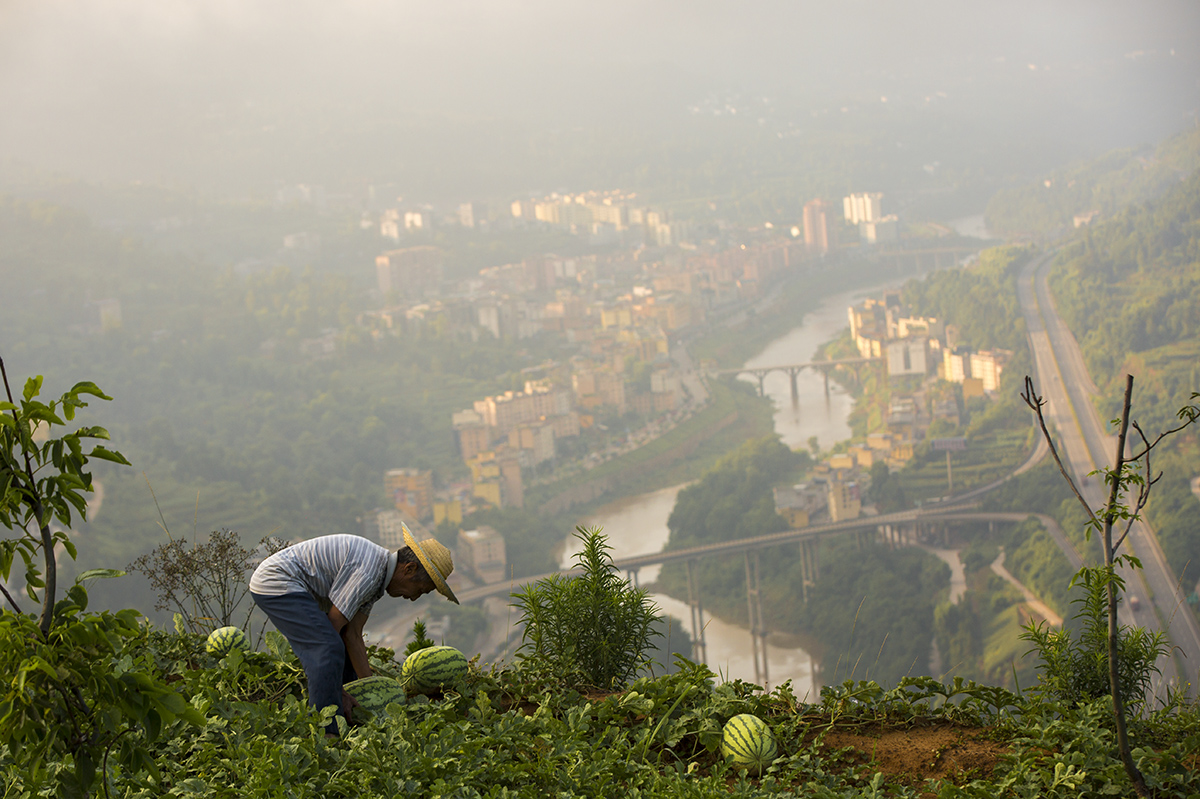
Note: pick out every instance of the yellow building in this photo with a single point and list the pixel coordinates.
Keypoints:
(844, 501)
(843, 460)
(411, 491)
(448, 511)
(488, 491)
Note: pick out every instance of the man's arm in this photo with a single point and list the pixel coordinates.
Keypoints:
(351, 632)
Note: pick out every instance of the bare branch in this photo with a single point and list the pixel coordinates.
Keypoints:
(1189, 414)
(11, 601)
(1121, 540)
(1035, 403)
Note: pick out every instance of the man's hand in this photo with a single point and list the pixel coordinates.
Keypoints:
(348, 705)
(352, 636)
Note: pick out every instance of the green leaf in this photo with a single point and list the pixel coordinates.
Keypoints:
(104, 574)
(88, 387)
(41, 413)
(109, 455)
(33, 387)
(85, 769)
(192, 785)
(153, 725)
(173, 703)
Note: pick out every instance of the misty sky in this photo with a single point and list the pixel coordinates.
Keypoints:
(170, 89)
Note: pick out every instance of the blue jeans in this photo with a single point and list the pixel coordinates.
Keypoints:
(315, 642)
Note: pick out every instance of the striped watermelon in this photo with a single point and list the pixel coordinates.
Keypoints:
(747, 740)
(432, 669)
(224, 640)
(374, 694)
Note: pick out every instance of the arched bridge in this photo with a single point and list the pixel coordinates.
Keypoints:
(791, 369)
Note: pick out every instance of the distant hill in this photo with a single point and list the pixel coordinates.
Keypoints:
(1097, 189)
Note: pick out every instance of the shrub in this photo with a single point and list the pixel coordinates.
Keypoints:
(1075, 670)
(593, 628)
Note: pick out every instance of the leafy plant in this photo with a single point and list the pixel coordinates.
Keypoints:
(78, 694)
(1075, 670)
(421, 639)
(1128, 492)
(593, 628)
(43, 482)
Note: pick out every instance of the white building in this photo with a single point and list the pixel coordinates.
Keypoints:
(866, 207)
(482, 552)
(988, 365)
(882, 229)
(908, 356)
(956, 365)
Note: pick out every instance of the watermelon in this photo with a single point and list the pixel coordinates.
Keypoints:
(224, 640)
(432, 669)
(747, 740)
(374, 694)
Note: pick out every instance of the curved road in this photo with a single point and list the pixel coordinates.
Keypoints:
(1086, 446)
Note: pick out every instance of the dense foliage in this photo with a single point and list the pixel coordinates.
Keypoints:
(513, 733)
(980, 300)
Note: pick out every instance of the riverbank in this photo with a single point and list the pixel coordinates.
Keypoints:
(733, 341)
(685, 453)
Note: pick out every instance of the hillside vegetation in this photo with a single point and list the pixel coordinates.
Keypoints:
(1106, 185)
(1130, 290)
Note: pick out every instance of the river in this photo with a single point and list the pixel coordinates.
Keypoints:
(637, 525)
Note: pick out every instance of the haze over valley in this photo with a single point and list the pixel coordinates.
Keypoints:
(755, 287)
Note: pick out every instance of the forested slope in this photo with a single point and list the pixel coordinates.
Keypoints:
(1106, 185)
(215, 398)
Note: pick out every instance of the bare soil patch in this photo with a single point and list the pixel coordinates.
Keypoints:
(912, 753)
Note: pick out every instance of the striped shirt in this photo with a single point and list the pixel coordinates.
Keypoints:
(342, 571)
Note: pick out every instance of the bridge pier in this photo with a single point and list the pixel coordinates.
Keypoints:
(699, 648)
(631, 575)
(793, 372)
(762, 390)
(758, 631)
(808, 567)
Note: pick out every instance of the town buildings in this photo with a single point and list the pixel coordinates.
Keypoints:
(411, 491)
(820, 227)
(481, 552)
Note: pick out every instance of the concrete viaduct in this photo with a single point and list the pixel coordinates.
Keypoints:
(894, 529)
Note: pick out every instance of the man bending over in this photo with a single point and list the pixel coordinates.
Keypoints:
(319, 592)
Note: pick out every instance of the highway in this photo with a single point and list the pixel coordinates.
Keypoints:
(1084, 445)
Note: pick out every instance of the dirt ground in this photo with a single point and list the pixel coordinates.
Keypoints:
(912, 753)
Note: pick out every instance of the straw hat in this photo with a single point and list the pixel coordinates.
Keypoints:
(435, 558)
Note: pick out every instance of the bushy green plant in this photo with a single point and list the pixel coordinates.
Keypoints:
(1074, 670)
(593, 628)
(421, 639)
